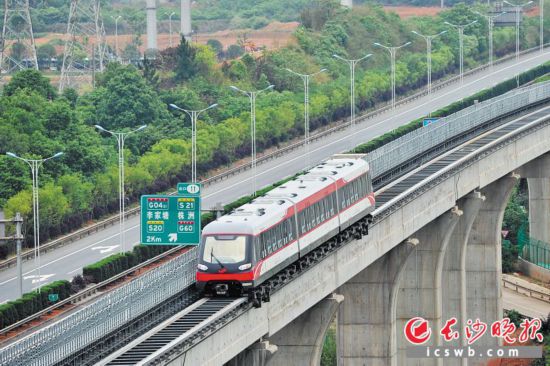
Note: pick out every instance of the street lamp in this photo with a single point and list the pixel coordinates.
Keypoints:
(491, 21)
(352, 63)
(429, 54)
(252, 95)
(541, 26)
(305, 78)
(392, 51)
(460, 28)
(120, 137)
(170, 26)
(517, 9)
(193, 114)
(116, 33)
(35, 165)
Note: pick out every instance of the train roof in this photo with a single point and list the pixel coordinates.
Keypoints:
(265, 211)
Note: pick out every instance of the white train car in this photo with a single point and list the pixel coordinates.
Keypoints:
(241, 250)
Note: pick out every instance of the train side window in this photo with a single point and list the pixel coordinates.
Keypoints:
(290, 229)
(318, 212)
(280, 236)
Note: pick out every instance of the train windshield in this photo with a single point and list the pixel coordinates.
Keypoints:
(224, 248)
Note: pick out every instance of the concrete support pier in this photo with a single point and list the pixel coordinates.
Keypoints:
(186, 29)
(539, 208)
(453, 284)
(366, 319)
(151, 9)
(256, 355)
(300, 343)
(483, 259)
(419, 291)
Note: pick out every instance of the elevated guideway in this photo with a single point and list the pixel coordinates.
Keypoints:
(67, 261)
(468, 152)
(404, 207)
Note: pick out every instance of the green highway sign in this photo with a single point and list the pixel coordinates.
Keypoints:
(53, 297)
(172, 220)
(189, 189)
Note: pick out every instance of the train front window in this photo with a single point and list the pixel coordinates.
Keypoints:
(224, 248)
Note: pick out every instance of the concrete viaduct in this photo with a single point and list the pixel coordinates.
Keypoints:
(437, 255)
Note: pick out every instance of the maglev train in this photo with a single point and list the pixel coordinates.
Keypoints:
(241, 250)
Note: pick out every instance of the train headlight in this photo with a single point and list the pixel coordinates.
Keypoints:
(202, 267)
(245, 266)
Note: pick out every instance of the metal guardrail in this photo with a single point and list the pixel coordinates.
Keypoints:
(61, 339)
(341, 125)
(87, 325)
(523, 290)
(87, 291)
(414, 143)
(163, 355)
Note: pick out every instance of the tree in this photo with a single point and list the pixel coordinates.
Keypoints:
(78, 193)
(18, 51)
(216, 46)
(30, 79)
(45, 52)
(318, 13)
(150, 73)
(185, 61)
(123, 99)
(234, 51)
(14, 177)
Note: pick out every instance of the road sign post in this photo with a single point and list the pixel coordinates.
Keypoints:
(172, 220)
(18, 237)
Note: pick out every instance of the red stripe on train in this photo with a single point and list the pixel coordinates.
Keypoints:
(244, 276)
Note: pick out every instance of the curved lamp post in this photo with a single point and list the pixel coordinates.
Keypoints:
(305, 78)
(252, 95)
(120, 137)
(352, 63)
(35, 165)
(194, 115)
(429, 54)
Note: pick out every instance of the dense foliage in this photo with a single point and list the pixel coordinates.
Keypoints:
(82, 185)
(118, 263)
(32, 302)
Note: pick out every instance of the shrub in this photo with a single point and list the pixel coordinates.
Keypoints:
(32, 302)
(486, 94)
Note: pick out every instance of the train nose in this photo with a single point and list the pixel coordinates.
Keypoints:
(221, 289)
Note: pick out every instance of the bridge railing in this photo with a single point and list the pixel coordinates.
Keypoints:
(536, 252)
(63, 338)
(416, 142)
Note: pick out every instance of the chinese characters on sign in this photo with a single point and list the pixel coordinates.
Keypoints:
(417, 330)
(172, 220)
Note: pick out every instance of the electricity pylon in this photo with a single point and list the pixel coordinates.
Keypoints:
(17, 47)
(85, 46)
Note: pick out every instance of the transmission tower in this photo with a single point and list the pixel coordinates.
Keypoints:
(85, 46)
(17, 48)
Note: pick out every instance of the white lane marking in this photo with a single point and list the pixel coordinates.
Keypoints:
(37, 278)
(366, 128)
(65, 256)
(106, 249)
(286, 162)
(74, 270)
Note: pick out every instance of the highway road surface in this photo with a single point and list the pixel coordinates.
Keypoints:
(66, 262)
(525, 305)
